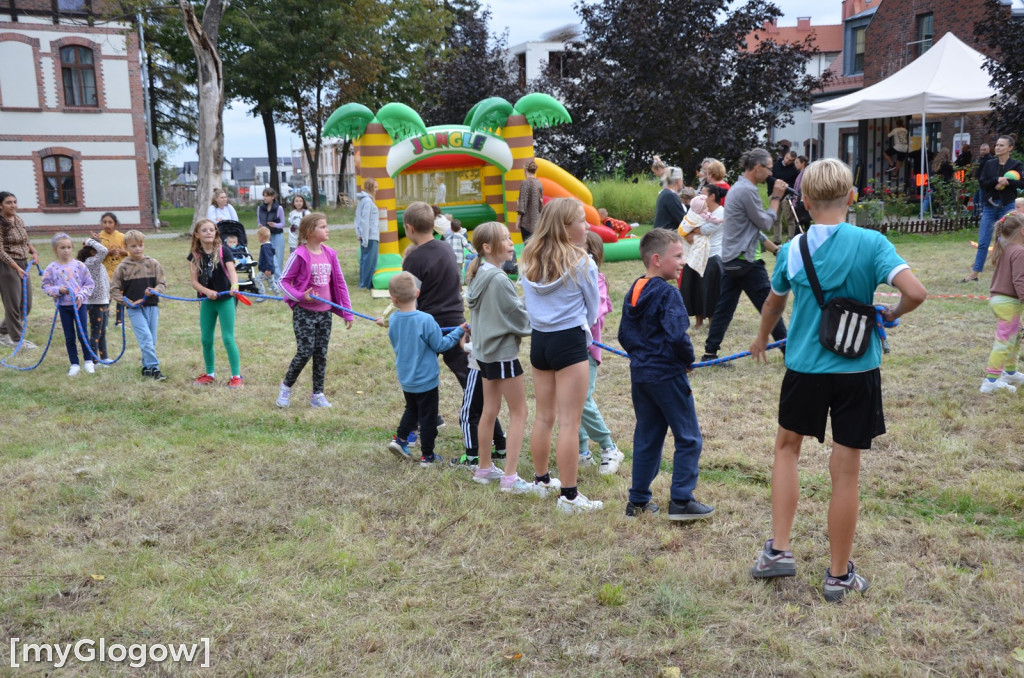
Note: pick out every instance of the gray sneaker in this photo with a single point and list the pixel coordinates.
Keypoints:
(768, 566)
(836, 588)
(284, 396)
(5, 340)
(319, 400)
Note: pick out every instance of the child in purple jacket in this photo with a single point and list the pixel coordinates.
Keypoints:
(67, 280)
(312, 271)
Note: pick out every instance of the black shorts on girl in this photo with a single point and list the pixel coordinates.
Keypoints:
(503, 369)
(854, 400)
(553, 351)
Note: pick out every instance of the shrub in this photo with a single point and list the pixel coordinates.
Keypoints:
(632, 200)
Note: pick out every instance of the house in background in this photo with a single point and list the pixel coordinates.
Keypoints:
(73, 117)
(534, 57)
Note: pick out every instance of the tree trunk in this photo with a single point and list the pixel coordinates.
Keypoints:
(312, 157)
(271, 135)
(211, 99)
(346, 148)
(158, 164)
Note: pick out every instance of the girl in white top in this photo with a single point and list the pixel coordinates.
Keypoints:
(219, 209)
(299, 210)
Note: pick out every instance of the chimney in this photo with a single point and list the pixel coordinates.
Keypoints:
(803, 23)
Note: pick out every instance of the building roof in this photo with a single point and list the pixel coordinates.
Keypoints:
(840, 83)
(244, 168)
(866, 13)
(827, 38)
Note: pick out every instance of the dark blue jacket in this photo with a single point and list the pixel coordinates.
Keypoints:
(267, 253)
(653, 331)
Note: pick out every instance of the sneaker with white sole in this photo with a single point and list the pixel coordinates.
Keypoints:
(399, 448)
(90, 368)
(611, 459)
(989, 386)
(26, 344)
(484, 476)
(837, 588)
(284, 396)
(587, 459)
(516, 485)
(551, 484)
(1012, 378)
(579, 505)
(319, 400)
(436, 461)
(75, 369)
(768, 565)
(5, 340)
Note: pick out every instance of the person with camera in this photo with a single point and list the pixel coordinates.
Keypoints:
(746, 223)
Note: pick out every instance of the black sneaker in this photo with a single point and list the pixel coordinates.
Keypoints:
(633, 510)
(440, 421)
(147, 372)
(689, 510)
(708, 356)
(466, 460)
(498, 454)
(437, 461)
(156, 375)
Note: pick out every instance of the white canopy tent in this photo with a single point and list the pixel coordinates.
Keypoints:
(948, 78)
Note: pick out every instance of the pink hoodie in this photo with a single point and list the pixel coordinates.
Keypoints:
(296, 275)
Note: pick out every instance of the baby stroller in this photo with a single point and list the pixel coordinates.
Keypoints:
(245, 265)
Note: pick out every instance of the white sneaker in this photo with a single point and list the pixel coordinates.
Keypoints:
(485, 475)
(611, 458)
(90, 368)
(73, 372)
(5, 340)
(517, 485)
(552, 484)
(579, 505)
(997, 385)
(28, 345)
(1013, 379)
(587, 459)
(284, 396)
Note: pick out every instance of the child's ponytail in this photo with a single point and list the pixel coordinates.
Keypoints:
(1006, 228)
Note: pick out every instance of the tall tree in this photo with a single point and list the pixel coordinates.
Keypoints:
(671, 77)
(999, 31)
(203, 36)
(472, 66)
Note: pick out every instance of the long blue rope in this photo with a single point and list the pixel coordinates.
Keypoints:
(24, 328)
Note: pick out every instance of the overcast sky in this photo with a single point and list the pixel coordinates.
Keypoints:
(525, 20)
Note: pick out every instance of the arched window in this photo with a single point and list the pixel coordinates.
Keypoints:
(59, 181)
(79, 74)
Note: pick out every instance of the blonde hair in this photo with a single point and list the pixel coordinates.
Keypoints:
(550, 254)
(419, 216)
(308, 225)
(827, 180)
(671, 175)
(715, 171)
(216, 194)
(263, 234)
(941, 157)
(403, 286)
(370, 186)
(491, 233)
(197, 245)
(135, 236)
(1006, 228)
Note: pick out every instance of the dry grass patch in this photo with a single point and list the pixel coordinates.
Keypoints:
(294, 541)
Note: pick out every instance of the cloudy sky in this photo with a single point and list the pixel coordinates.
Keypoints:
(525, 20)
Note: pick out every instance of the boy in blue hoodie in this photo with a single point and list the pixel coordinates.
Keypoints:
(417, 339)
(653, 331)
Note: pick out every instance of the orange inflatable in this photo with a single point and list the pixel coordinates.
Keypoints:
(553, 190)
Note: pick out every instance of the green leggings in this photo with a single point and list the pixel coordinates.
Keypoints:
(209, 312)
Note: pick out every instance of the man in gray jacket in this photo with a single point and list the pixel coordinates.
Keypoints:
(745, 224)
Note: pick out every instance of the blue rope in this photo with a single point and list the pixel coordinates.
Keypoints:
(24, 327)
(339, 306)
(706, 363)
(881, 323)
(87, 343)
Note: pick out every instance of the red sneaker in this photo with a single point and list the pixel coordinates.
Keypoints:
(203, 380)
(235, 382)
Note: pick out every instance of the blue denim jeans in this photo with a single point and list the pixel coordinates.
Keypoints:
(592, 426)
(71, 331)
(659, 407)
(989, 216)
(368, 263)
(277, 240)
(144, 320)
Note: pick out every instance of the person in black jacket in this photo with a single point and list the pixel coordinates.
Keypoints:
(997, 195)
(787, 171)
(669, 211)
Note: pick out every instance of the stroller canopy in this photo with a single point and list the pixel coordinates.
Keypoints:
(235, 228)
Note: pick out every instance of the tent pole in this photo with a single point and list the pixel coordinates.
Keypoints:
(924, 161)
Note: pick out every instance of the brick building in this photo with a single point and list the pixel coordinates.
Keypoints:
(73, 118)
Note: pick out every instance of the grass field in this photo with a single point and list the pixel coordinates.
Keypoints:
(300, 547)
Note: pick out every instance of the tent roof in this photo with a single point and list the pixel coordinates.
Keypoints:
(948, 78)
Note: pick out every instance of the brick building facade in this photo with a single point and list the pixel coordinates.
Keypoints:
(73, 120)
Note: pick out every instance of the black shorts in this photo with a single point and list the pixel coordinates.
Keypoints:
(853, 399)
(553, 351)
(503, 369)
(896, 155)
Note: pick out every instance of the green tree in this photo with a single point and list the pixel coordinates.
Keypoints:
(671, 77)
(999, 32)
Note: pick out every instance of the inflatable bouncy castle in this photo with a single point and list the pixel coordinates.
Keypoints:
(472, 171)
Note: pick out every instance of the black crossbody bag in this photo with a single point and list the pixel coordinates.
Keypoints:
(846, 324)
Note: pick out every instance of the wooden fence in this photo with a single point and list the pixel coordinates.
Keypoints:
(939, 225)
